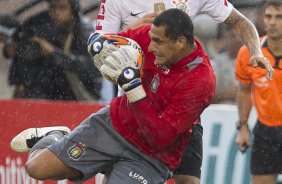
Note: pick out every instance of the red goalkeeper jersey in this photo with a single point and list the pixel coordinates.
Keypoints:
(160, 124)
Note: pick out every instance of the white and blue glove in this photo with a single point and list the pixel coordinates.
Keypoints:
(122, 68)
(119, 59)
(100, 47)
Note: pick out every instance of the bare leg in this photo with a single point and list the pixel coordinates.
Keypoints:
(262, 179)
(185, 179)
(43, 164)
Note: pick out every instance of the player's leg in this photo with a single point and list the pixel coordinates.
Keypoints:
(189, 170)
(89, 149)
(186, 179)
(42, 163)
(263, 179)
(266, 158)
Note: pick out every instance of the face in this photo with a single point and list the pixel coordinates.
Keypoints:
(166, 51)
(60, 11)
(273, 22)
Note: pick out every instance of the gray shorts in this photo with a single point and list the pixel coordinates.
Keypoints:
(95, 147)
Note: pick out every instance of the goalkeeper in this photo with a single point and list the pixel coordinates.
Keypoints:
(142, 135)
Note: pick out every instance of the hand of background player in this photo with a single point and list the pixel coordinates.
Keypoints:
(243, 140)
(263, 62)
(146, 19)
(46, 47)
(121, 67)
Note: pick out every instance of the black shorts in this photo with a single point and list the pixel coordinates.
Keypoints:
(266, 150)
(191, 161)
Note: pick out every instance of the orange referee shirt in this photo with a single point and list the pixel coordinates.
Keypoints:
(266, 95)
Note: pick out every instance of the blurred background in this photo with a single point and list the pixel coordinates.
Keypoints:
(20, 10)
(213, 35)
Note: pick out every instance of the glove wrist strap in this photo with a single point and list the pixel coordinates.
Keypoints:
(136, 94)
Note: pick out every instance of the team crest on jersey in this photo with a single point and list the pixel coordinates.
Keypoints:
(76, 151)
(155, 83)
(181, 4)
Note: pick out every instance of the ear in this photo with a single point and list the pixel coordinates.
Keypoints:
(181, 42)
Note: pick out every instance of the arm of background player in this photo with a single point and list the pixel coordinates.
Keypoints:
(243, 76)
(223, 11)
(248, 33)
(244, 102)
(244, 99)
(145, 20)
(246, 30)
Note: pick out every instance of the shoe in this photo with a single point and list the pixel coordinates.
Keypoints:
(27, 138)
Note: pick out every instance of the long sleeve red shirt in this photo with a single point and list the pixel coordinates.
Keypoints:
(160, 125)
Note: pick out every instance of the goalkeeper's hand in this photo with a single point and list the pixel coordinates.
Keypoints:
(121, 67)
(100, 47)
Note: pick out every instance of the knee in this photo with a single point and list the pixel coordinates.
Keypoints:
(36, 166)
(33, 169)
(44, 165)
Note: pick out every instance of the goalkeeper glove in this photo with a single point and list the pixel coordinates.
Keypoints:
(100, 47)
(121, 66)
